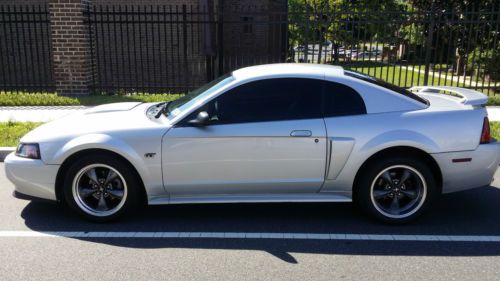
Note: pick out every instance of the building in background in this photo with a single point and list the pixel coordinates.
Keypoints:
(79, 46)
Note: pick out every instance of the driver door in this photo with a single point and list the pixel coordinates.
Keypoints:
(263, 137)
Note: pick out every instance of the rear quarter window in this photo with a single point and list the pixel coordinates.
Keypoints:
(341, 100)
(386, 85)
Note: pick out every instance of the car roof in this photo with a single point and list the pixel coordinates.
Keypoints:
(288, 69)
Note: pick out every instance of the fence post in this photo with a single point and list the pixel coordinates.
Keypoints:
(220, 38)
(71, 50)
(428, 45)
(185, 45)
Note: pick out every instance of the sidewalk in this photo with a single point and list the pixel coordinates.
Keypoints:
(493, 113)
(36, 113)
(48, 113)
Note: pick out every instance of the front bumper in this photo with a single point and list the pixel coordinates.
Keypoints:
(477, 172)
(31, 177)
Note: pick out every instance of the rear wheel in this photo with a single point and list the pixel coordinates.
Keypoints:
(396, 190)
(100, 187)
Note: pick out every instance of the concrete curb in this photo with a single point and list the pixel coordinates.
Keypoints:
(4, 151)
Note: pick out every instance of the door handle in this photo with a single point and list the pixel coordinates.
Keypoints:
(301, 133)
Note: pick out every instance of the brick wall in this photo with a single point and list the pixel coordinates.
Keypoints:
(150, 51)
(23, 2)
(70, 46)
(146, 2)
(253, 34)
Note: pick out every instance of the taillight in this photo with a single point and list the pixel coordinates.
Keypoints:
(485, 134)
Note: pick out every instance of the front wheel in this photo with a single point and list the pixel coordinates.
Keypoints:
(100, 187)
(396, 190)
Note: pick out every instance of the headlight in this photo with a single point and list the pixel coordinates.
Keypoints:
(28, 150)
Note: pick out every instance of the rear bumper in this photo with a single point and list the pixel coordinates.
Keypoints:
(31, 177)
(477, 172)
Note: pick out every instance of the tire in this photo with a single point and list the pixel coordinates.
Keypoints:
(393, 201)
(101, 187)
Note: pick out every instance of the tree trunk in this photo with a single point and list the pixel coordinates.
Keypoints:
(320, 47)
(336, 52)
(460, 64)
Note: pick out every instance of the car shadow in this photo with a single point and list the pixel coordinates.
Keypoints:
(473, 212)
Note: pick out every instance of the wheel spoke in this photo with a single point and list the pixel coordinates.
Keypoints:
(377, 194)
(395, 205)
(92, 175)
(111, 175)
(102, 205)
(86, 192)
(404, 177)
(387, 177)
(398, 191)
(116, 193)
(99, 190)
(412, 194)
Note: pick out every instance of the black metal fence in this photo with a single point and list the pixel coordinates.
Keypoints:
(146, 49)
(25, 52)
(406, 47)
(175, 48)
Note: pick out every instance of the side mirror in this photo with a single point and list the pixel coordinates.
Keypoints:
(200, 120)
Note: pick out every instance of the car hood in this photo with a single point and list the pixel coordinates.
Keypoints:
(103, 119)
(113, 107)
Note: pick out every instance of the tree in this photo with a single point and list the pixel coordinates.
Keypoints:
(464, 23)
(342, 21)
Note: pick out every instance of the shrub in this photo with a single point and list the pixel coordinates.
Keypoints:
(485, 63)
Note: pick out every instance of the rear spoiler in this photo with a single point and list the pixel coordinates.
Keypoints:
(466, 96)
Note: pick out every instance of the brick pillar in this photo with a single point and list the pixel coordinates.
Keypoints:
(72, 63)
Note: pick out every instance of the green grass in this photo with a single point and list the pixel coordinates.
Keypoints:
(39, 99)
(495, 130)
(494, 100)
(406, 78)
(403, 76)
(11, 132)
(400, 76)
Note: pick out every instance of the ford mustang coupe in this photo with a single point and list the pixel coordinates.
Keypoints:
(269, 133)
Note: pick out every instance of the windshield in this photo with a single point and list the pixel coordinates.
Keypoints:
(386, 85)
(191, 98)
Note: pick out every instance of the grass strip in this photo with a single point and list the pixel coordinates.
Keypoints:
(11, 132)
(51, 99)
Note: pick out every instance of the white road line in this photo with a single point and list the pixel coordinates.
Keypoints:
(249, 235)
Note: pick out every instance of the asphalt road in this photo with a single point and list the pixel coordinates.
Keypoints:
(469, 213)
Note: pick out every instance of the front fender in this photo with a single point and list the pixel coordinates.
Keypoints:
(105, 142)
(95, 141)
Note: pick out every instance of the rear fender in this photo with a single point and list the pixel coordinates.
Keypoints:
(400, 138)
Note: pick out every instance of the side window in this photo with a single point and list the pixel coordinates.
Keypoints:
(268, 100)
(341, 100)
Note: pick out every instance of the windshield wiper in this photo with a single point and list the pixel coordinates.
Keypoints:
(163, 109)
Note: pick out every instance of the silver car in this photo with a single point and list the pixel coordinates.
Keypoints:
(269, 133)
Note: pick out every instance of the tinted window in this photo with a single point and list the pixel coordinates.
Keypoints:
(342, 100)
(267, 100)
(386, 85)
